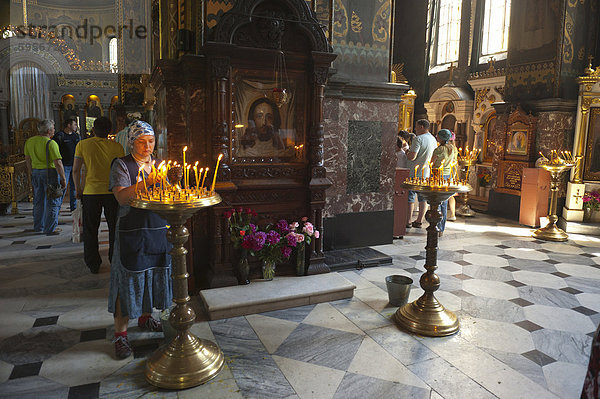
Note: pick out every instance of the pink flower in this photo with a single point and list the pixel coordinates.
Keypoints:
(308, 228)
(294, 226)
(304, 219)
(299, 237)
(316, 233)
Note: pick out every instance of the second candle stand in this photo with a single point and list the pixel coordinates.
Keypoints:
(427, 316)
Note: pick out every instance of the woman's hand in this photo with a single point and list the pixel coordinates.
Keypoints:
(153, 178)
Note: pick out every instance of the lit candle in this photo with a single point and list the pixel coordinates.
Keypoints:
(416, 167)
(187, 174)
(204, 178)
(184, 150)
(143, 177)
(196, 175)
(212, 188)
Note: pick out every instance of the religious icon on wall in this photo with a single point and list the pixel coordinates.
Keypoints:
(262, 131)
(517, 143)
(488, 144)
(591, 169)
(68, 109)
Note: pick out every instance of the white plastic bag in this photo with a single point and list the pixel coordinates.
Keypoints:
(77, 223)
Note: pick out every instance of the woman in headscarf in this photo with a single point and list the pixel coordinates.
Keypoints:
(447, 153)
(141, 266)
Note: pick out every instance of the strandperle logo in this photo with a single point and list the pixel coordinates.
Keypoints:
(84, 31)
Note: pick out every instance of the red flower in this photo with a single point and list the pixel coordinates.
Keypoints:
(240, 210)
(227, 215)
(248, 211)
(242, 233)
(254, 213)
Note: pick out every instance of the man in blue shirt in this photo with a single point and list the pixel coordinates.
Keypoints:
(67, 140)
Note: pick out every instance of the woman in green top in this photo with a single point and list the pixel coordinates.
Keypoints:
(446, 152)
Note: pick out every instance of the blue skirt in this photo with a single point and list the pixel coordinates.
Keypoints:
(138, 292)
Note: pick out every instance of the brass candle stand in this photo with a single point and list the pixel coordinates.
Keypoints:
(186, 361)
(551, 232)
(464, 209)
(427, 316)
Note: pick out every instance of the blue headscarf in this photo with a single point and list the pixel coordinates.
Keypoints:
(137, 129)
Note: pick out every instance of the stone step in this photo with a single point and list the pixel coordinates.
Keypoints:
(281, 293)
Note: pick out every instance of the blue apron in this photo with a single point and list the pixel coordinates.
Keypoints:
(142, 234)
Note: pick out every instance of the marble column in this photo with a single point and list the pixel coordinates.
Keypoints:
(4, 126)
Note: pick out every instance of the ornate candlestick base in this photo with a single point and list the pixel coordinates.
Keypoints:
(186, 361)
(427, 316)
(551, 232)
(465, 209)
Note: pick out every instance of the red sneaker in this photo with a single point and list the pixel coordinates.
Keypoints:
(122, 347)
(151, 324)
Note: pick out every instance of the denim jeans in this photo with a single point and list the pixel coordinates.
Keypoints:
(72, 195)
(45, 210)
(444, 209)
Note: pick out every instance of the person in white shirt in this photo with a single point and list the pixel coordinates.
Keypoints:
(419, 153)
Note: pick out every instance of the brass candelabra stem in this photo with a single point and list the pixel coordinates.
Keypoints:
(427, 316)
(186, 361)
(551, 232)
(464, 209)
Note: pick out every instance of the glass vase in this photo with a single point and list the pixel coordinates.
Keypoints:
(268, 270)
(300, 260)
(243, 268)
(587, 215)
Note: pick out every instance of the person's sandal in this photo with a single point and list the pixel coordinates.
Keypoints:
(122, 347)
(151, 324)
(416, 224)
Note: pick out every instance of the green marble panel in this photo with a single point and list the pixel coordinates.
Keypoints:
(364, 156)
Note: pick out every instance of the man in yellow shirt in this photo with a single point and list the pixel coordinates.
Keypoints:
(97, 154)
(45, 210)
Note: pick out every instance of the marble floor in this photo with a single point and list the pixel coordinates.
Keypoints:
(528, 310)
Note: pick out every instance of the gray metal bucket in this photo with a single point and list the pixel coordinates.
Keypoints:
(398, 288)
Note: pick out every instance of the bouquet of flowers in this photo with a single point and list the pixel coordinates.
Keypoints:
(591, 200)
(299, 240)
(484, 177)
(239, 224)
(269, 245)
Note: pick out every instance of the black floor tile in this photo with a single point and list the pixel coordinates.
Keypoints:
(571, 290)
(43, 246)
(521, 302)
(552, 261)
(417, 257)
(501, 246)
(528, 325)
(515, 283)
(510, 268)
(25, 370)
(145, 349)
(561, 274)
(19, 242)
(93, 335)
(45, 321)
(87, 391)
(538, 357)
(584, 310)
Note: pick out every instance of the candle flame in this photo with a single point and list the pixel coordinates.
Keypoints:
(185, 148)
(220, 157)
